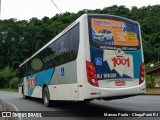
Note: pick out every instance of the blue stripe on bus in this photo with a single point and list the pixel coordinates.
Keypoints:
(137, 60)
(41, 78)
(44, 77)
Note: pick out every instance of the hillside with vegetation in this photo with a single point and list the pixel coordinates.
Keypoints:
(20, 39)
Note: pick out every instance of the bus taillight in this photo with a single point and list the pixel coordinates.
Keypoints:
(91, 74)
(141, 78)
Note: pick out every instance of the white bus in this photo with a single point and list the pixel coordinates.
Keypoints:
(98, 56)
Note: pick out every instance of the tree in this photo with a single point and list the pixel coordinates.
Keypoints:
(20, 39)
(5, 76)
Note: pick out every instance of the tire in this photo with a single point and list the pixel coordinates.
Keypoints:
(46, 97)
(85, 101)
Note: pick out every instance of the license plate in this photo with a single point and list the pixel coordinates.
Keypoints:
(120, 83)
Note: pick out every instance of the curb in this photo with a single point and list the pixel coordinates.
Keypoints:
(152, 94)
(7, 107)
(4, 107)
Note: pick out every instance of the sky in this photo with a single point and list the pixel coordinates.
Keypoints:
(26, 9)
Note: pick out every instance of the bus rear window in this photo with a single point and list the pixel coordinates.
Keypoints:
(110, 32)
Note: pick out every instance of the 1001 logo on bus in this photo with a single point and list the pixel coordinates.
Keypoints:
(121, 61)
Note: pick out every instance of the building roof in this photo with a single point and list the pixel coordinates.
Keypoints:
(153, 69)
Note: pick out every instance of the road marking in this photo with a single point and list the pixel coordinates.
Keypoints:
(19, 118)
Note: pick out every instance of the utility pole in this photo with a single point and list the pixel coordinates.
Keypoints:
(158, 56)
(56, 6)
(0, 9)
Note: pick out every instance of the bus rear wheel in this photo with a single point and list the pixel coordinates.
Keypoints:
(46, 97)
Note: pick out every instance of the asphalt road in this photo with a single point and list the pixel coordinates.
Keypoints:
(137, 103)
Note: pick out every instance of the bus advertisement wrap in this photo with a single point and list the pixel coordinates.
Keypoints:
(112, 32)
(112, 37)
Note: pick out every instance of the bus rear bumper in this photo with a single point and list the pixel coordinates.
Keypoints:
(92, 92)
(129, 91)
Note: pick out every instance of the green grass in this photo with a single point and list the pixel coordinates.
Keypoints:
(154, 91)
(9, 89)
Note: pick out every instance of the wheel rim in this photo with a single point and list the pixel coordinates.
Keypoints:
(45, 98)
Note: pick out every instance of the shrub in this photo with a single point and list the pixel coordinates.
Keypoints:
(5, 76)
(14, 83)
(150, 82)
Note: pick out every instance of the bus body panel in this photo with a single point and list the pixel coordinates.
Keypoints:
(83, 50)
(34, 83)
(64, 81)
(108, 74)
(117, 59)
(82, 56)
(64, 92)
(91, 92)
(53, 92)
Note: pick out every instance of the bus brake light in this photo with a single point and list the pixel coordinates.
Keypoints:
(91, 74)
(141, 77)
